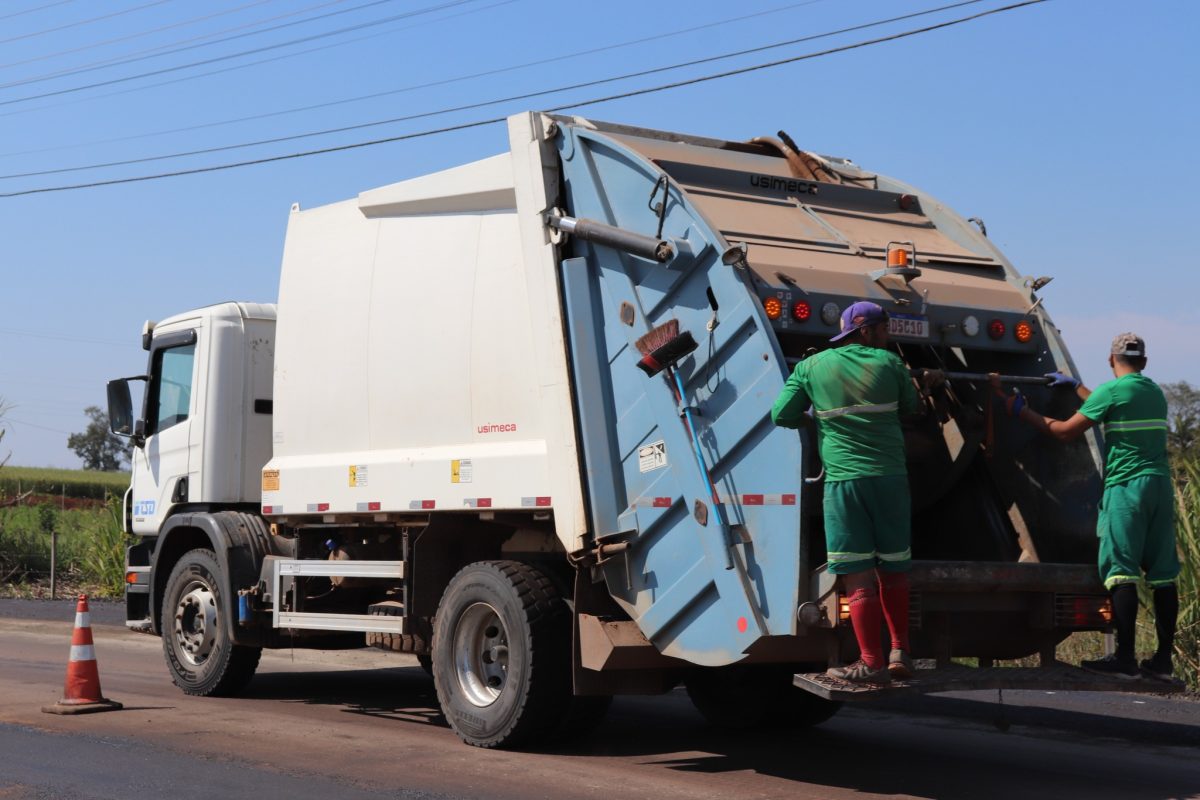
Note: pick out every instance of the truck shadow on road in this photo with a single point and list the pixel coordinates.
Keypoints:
(959, 753)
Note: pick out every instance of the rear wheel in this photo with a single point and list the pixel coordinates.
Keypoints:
(740, 697)
(501, 654)
(199, 650)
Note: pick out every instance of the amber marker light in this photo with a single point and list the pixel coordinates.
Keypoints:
(1023, 331)
(131, 577)
(774, 307)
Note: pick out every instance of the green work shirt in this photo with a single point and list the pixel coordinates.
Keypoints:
(858, 394)
(1132, 412)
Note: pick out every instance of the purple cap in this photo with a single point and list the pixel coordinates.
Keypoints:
(860, 315)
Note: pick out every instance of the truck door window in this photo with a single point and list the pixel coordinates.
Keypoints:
(171, 387)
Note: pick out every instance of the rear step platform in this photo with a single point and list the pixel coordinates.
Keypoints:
(958, 678)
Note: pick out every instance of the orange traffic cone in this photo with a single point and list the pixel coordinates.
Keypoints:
(81, 694)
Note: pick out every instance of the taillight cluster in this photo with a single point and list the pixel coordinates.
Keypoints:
(1022, 331)
(773, 306)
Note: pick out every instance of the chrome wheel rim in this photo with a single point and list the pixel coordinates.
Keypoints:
(196, 623)
(481, 654)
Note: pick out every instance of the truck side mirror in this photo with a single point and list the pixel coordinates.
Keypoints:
(120, 411)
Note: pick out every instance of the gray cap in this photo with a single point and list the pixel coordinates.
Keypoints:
(1129, 344)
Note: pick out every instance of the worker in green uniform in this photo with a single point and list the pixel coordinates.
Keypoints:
(857, 392)
(1136, 525)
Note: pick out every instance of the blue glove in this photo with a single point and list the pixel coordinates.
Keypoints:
(1061, 379)
(1014, 403)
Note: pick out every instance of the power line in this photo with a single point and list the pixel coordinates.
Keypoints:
(60, 338)
(35, 8)
(137, 35)
(226, 57)
(485, 103)
(81, 22)
(495, 120)
(166, 50)
(342, 43)
(33, 425)
(412, 87)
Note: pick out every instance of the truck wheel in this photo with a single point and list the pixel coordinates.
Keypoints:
(501, 654)
(200, 653)
(741, 697)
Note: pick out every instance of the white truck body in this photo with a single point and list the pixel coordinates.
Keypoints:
(422, 363)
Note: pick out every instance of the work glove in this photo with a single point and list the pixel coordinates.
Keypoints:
(932, 379)
(1062, 379)
(1014, 404)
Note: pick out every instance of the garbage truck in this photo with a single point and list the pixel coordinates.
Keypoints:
(450, 437)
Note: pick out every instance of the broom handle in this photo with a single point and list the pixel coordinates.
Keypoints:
(712, 493)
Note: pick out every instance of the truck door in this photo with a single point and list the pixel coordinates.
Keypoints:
(161, 464)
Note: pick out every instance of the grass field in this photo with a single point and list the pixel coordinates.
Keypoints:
(73, 483)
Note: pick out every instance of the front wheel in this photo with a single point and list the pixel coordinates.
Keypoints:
(502, 654)
(196, 639)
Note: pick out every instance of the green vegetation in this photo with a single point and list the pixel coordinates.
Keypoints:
(73, 483)
(91, 547)
(1187, 497)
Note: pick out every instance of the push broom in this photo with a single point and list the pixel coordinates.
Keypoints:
(661, 348)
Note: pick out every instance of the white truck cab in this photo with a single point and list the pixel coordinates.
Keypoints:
(204, 432)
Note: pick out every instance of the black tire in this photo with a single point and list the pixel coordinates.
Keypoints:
(200, 654)
(426, 663)
(742, 697)
(502, 654)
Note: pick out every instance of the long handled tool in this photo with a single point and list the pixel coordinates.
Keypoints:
(661, 348)
(1038, 380)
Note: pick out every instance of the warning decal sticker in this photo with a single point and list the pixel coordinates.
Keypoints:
(461, 470)
(652, 456)
(358, 475)
(270, 480)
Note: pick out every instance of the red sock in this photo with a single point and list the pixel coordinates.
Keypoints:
(866, 614)
(893, 594)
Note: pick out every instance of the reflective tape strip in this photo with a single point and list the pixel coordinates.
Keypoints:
(840, 557)
(477, 502)
(1116, 580)
(903, 555)
(421, 505)
(83, 652)
(758, 499)
(372, 505)
(878, 408)
(1126, 426)
(83, 619)
(535, 502)
(1160, 584)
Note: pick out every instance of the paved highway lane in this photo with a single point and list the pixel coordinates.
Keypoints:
(365, 724)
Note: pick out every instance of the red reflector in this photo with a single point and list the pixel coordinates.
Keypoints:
(543, 501)
(268, 509)
(996, 329)
(801, 311)
(483, 502)
(788, 500)
(742, 624)
(374, 506)
(322, 506)
(662, 502)
(752, 499)
(428, 504)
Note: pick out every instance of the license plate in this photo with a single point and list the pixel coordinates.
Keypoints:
(909, 325)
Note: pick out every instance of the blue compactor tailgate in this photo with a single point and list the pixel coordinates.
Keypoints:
(700, 590)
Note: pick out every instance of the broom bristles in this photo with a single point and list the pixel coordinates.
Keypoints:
(657, 337)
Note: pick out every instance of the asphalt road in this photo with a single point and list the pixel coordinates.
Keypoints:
(362, 724)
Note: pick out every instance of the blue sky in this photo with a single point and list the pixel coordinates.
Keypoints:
(1069, 126)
